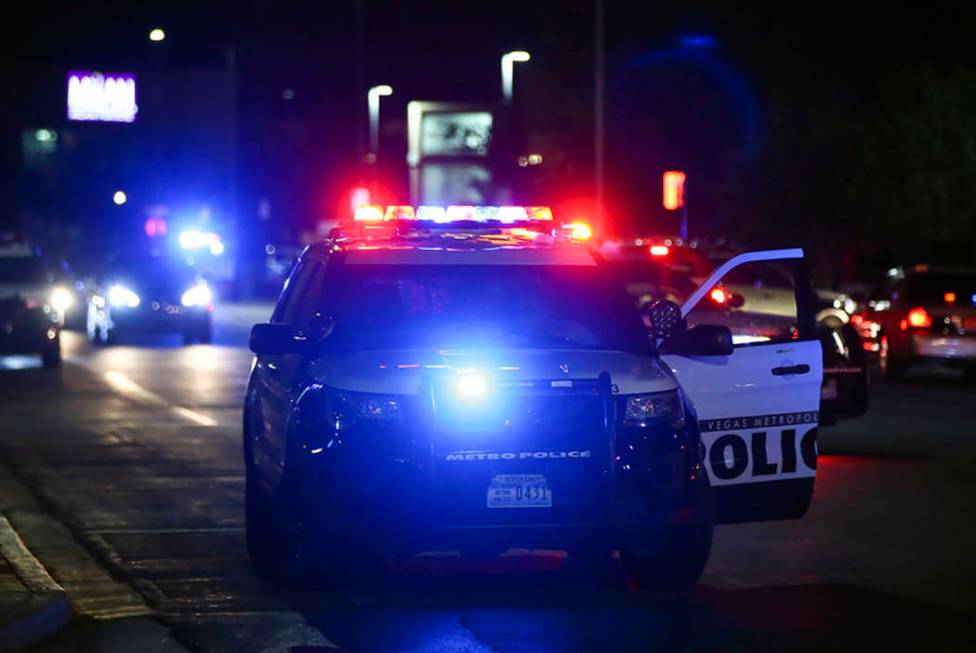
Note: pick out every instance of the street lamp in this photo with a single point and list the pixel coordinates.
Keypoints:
(373, 101)
(508, 71)
(157, 34)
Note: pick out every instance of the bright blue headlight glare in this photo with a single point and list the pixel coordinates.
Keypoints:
(641, 410)
(198, 295)
(471, 387)
(119, 295)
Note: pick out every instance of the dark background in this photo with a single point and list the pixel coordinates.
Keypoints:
(849, 130)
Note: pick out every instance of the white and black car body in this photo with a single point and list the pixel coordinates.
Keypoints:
(370, 447)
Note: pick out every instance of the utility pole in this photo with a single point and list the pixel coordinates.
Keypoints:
(598, 119)
(360, 54)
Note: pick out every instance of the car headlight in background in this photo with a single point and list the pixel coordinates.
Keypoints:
(198, 295)
(120, 296)
(194, 239)
(62, 299)
(640, 410)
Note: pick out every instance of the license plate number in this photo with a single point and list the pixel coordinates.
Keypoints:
(519, 491)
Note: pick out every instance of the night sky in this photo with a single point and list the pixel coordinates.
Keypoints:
(729, 114)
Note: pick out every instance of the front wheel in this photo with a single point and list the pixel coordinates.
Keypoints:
(51, 356)
(678, 564)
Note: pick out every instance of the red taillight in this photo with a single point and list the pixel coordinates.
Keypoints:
(918, 318)
(659, 250)
(719, 296)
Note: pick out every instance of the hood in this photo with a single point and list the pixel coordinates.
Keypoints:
(402, 371)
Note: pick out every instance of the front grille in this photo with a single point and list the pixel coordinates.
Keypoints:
(554, 429)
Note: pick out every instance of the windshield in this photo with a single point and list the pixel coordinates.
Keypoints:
(152, 275)
(22, 270)
(647, 281)
(489, 306)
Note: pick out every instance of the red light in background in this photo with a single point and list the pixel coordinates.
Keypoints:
(155, 226)
(718, 296)
(579, 230)
(674, 189)
(660, 250)
(360, 196)
(949, 297)
(919, 318)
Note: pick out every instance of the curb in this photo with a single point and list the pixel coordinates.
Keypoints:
(45, 608)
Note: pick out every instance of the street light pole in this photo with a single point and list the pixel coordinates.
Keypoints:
(508, 72)
(598, 112)
(373, 102)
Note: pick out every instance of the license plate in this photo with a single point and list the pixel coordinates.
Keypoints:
(519, 491)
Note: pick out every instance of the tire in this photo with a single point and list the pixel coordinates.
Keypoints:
(894, 369)
(202, 333)
(259, 526)
(206, 334)
(51, 356)
(970, 374)
(282, 547)
(678, 564)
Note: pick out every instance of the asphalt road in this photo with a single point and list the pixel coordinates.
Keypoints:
(137, 449)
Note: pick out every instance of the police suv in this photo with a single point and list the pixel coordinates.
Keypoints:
(468, 378)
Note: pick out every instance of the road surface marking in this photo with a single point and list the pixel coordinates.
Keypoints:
(130, 388)
(194, 416)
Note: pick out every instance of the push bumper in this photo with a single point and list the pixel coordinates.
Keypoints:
(371, 491)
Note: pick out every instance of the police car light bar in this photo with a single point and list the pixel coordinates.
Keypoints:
(454, 213)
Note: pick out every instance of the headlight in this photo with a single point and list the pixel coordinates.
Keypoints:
(348, 408)
(667, 407)
(198, 295)
(471, 387)
(62, 299)
(122, 296)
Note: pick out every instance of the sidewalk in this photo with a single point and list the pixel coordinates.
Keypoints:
(55, 597)
(33, 606)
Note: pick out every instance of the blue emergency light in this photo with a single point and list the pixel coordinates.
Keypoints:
(454, 213)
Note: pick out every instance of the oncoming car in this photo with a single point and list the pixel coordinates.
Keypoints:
(149, 294)
(485, 384)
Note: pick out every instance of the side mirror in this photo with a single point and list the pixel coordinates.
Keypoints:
(275, 339)
(664, 318)
(701, 340)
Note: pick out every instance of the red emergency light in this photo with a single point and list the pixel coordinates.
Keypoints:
(674, 189)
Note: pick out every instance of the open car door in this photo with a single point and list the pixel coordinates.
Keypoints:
(757, 408)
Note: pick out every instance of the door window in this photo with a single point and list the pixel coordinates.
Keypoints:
(303, 299)
(757, 301)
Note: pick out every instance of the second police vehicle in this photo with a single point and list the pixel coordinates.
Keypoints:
(468, 378)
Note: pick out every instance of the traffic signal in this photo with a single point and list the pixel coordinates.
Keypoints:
(674, 190)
